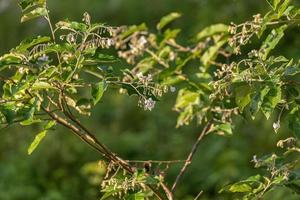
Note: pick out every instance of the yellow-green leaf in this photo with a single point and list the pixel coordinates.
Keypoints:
(212, 30)
(38, 138)
(34, 14)
(167, 19)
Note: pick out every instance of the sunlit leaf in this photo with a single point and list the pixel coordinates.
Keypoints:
(27, 4)
(271, 100)
(40, 136)
(271, 41)
(38, 12)
(31, 42)
(211, 53)
(167, 19)
(212, 30)
(257, 100)
(242, 96)
(97, 91)
(72, 25)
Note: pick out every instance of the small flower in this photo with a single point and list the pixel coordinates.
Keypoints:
(144, 79)
(257, 18)
(276, 126)
(254, 159)
(71, 38)
(109, 42)
(86, 18)
(173, 89)
(149, 104)
(148, 78)
(43, 58)
(66, 57)
(140, 76)
(172, 56)
(142, 41)
(22, 70)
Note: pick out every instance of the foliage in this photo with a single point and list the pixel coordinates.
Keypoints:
(46, 81)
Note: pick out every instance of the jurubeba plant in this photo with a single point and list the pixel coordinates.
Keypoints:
(54, 79)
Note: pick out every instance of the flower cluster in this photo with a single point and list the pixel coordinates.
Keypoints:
(132, 47)
(242, 33)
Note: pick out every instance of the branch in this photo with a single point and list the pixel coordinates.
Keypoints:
(85, 135)
(198, 196)
(157, 161)
(191, 154)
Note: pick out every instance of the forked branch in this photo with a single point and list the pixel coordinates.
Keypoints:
(188, 161)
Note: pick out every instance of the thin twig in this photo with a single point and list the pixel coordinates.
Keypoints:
(156, 161)
(199, 194)
(191, 154)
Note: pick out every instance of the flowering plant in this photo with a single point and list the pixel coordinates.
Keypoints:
(45, 81)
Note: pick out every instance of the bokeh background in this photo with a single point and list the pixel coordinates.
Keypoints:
(63, 168)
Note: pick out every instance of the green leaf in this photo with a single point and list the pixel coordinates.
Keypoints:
(168, 34)
(27, 4)
(133, 29)
(137, 196)
(30, 122)
(167, 19)
(185, 98)
(97, 91)
(284, 8)
(39, 85)
(240, 187)
(8, 112)
(185, 102)
(72, 25)
(107, 194)
(271, 100)
(29, 115)
(212, 52)
(38, 12)
(212, 30)
(242, 96)
(274, 3)
(30, 42)
(257, 101)
(271, 41)
(50, 124)
(251, 184)
(38, 138)
(11, 58)
(224, 129)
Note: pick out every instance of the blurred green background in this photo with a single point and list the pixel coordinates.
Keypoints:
(62, 168)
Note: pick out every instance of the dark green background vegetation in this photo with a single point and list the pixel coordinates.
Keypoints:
(60, 170)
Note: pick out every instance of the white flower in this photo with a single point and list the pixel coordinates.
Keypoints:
(149, 104)
(71, 38)
(109, 42)
(142, 41)
(43, 58)
(22, 70)
(144, 79)
(86, 18)
(276, 126)
(254, 159)
(140, 76)
(173, 89)
(148, 78)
